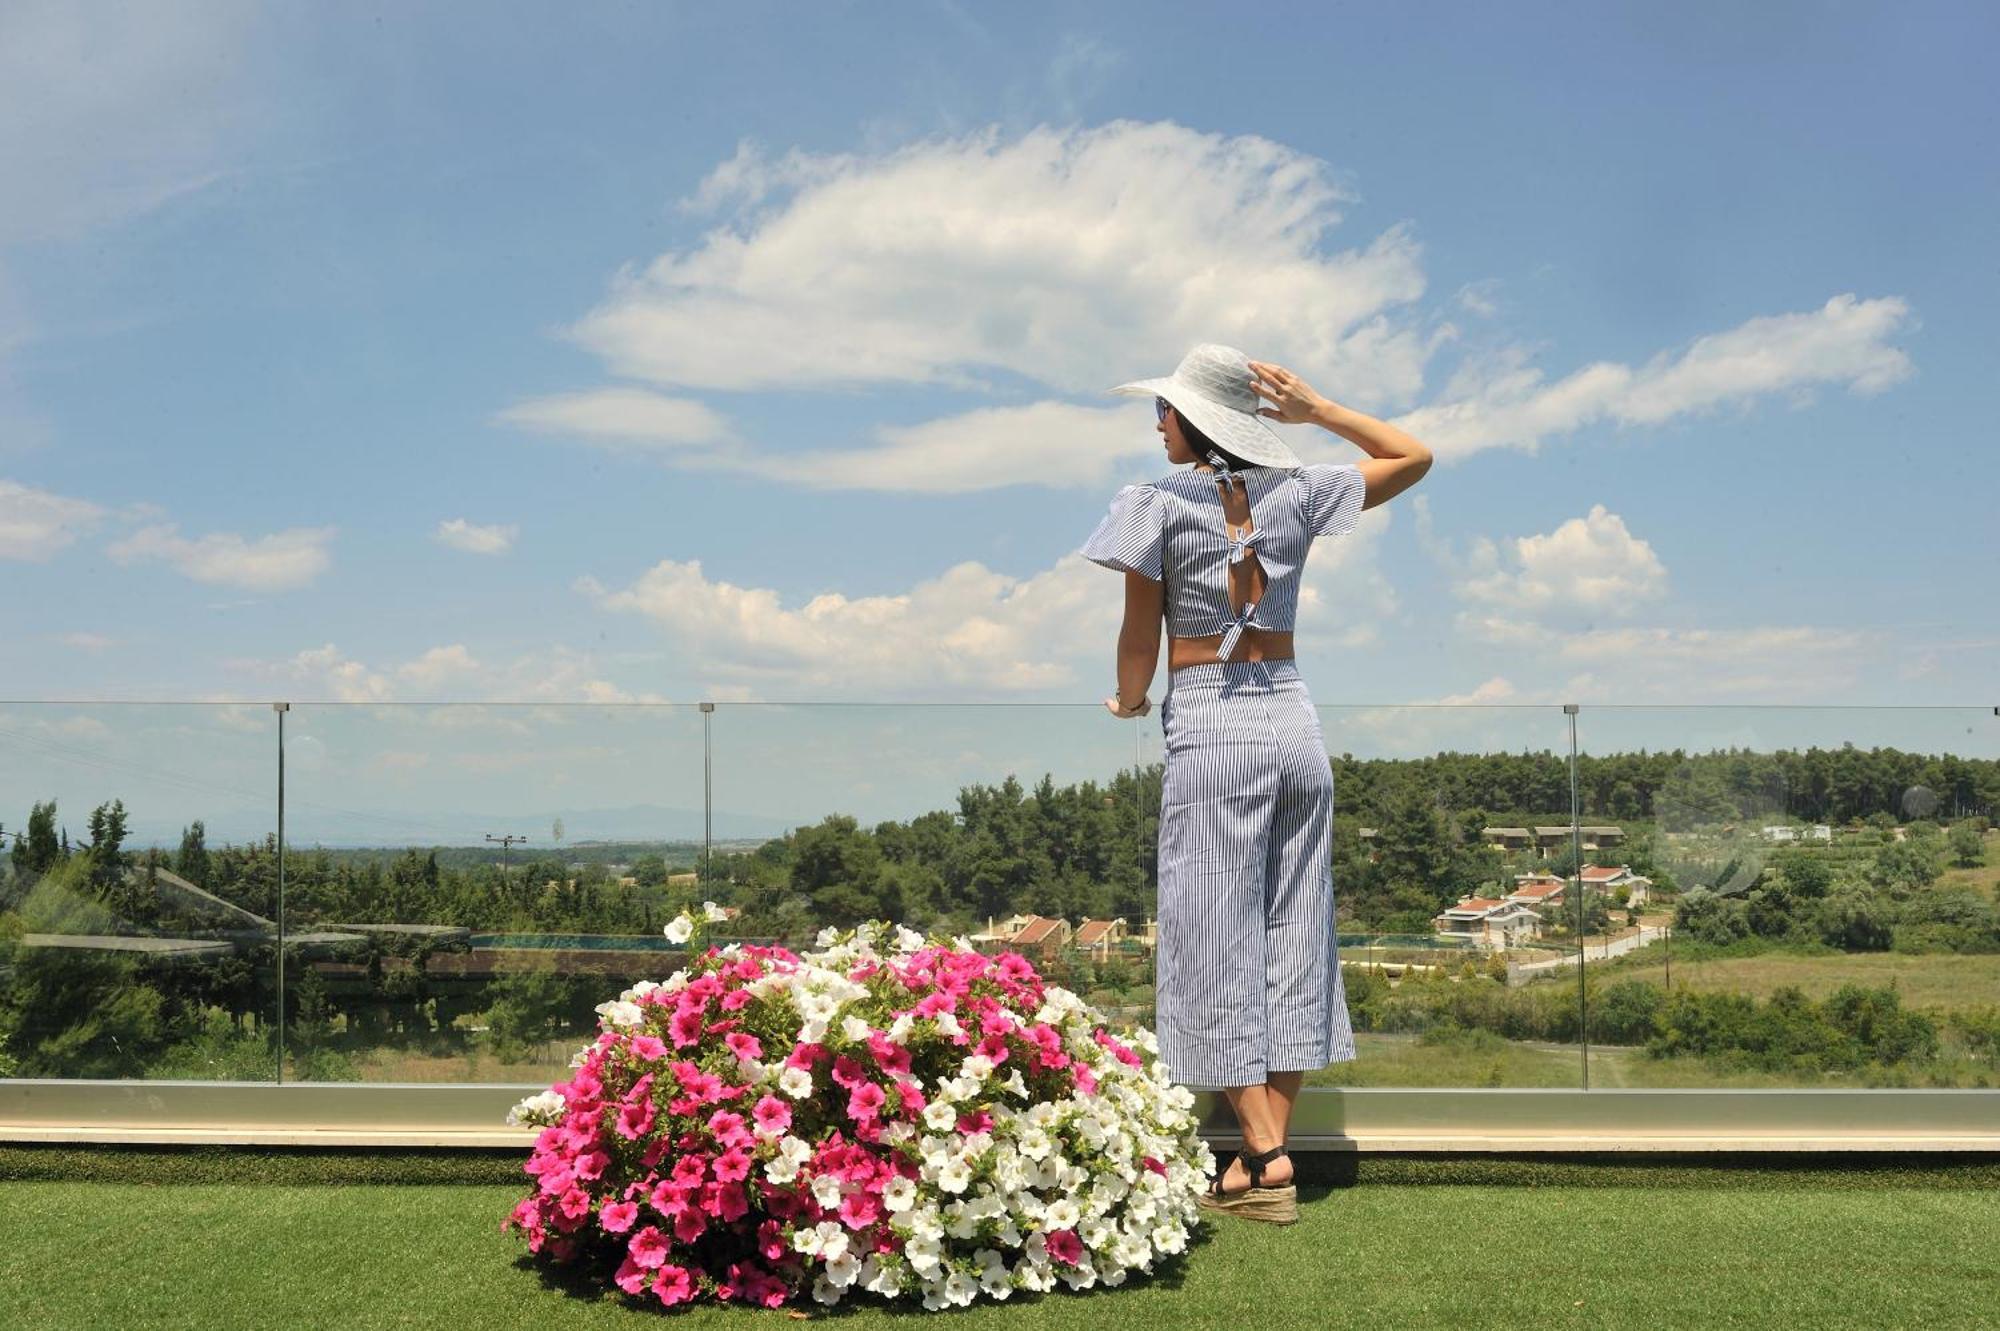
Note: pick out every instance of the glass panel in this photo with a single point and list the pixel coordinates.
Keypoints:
(1452, 847)
(466, 883)
(138, 891)
(1022, 826)
(1829, 879)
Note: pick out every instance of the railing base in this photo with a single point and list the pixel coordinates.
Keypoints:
(1352, 1122)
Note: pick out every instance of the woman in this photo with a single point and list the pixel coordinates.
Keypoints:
(1248, 985)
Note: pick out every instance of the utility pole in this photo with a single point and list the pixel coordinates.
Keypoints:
(506, 844)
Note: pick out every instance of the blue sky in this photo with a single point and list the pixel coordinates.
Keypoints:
(658, 353)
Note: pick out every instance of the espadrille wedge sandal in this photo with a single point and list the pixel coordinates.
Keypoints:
(1274, 1206)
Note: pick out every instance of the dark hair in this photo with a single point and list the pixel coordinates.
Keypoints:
(1206, 449)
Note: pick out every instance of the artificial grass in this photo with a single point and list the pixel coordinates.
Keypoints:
(1649, 1245)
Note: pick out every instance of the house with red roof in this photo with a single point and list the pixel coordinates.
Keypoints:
(1492, 922)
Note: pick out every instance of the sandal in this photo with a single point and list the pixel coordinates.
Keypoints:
(1276, 1206)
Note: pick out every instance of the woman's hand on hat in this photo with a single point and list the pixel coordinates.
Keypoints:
(1293, 400)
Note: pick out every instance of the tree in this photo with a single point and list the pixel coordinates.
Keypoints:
(191, 862)
(1968, 847)
(1702, 915)
(38, 852)
(107, 841)
(1807, 873)
(1907, 864)
(1856, 921)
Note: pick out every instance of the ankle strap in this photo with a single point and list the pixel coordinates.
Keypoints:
(1254, 1164)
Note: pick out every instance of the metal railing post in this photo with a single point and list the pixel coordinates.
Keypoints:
(1576, 852)
(707, 793)
(281, 708)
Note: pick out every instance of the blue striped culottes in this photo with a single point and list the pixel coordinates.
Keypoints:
(1248, 967)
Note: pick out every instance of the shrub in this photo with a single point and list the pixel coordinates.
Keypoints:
(763, 1125)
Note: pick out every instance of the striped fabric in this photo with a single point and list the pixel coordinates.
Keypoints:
(1172, 531)
(1248, 967)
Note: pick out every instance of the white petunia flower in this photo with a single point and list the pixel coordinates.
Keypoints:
(713, 913)
(620, 1013)
(537, 1111)
(796, 1082)
(680, 928)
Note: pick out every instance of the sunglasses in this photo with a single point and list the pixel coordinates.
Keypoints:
(1161, 407)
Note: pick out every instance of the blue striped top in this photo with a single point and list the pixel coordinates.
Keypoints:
(1173, 531)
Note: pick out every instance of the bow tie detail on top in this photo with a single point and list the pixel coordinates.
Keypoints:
(1241, 544)
(1245, 619)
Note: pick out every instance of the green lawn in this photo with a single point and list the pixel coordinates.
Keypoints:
(120, 1242)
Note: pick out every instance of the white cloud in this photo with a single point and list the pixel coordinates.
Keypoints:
(1507, 403)
(1345, 596)
(629, 419)
(107, 114)
(439, 666)
(1073, 258)
(1787, 663)
(475, 539)
(34, 524)
(1480, 298)
(446, 673)
(1589, 566)
(967, 628)
(1498, 689)
(278, 562)
(88, 642)
(1044, 443)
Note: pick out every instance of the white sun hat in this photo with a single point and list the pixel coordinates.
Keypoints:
(1211, 388)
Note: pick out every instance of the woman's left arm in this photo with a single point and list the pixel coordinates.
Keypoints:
(1138, 640)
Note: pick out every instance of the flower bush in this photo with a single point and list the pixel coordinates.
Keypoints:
(900, 1118)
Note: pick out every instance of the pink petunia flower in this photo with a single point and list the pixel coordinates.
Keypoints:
(892, 1058)
(773, 1115)
(728, 1127)
(858, 1210)
(685, 1027)
(648, 1248)
(673, 1285)
(866, 1101)
(649, 1047)
(733, 1165)
(634, 1121)
(617, 1217)
(1065, 1246)
(744, 1045)
(730, 1202)
(631, 1277)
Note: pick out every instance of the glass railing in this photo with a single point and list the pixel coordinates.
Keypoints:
(139, 890)
(1700, 897)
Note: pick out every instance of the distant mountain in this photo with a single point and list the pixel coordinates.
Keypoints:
(308, 825)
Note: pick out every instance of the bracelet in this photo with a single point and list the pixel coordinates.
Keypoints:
(1138, 706)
